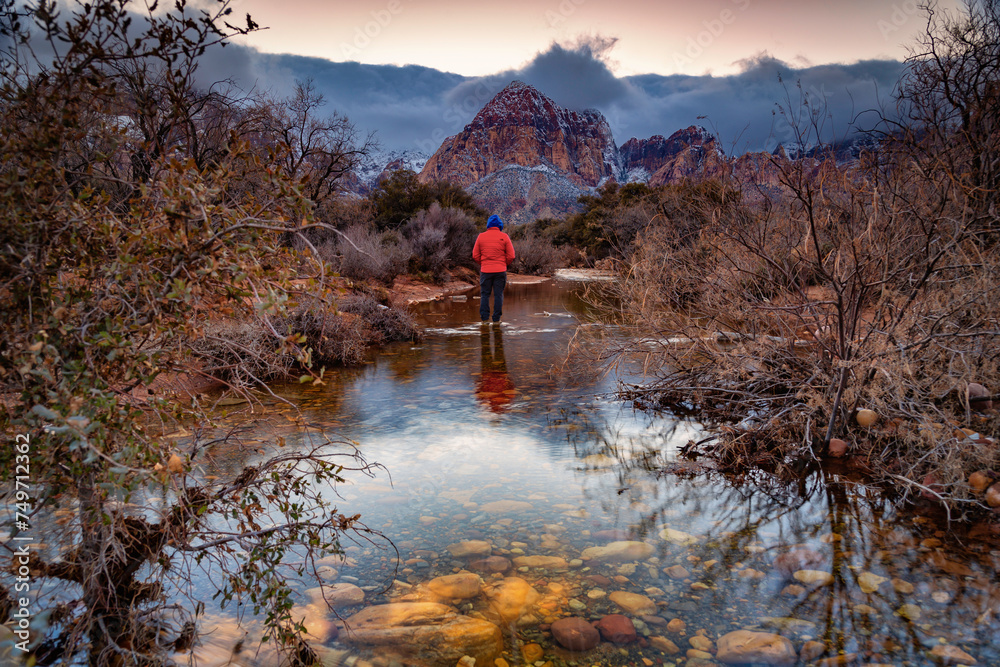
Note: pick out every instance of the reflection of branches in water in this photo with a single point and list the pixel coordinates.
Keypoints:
(746, 521)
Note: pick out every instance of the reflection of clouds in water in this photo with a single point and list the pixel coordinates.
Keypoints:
(508, 330)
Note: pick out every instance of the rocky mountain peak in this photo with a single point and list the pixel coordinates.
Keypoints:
(522, 127)
(522, 105)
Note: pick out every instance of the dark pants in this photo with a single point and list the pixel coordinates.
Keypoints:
(491, 283)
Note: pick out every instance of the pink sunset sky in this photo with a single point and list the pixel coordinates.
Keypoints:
(476, 38)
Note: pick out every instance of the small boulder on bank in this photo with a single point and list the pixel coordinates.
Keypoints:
(979, 397)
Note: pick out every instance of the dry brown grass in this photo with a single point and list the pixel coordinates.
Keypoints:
(779, 321)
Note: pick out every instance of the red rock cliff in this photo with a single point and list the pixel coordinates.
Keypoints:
(521, 126)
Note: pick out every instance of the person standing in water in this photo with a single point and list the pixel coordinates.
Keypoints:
(493, 251)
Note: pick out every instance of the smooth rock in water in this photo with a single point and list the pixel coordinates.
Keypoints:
(902, 587)
(504, 506)
(979, 481)
(532, 652)
(550, 562)
(490, 565)
(665, 645)
(466, 661)
(678, 537)
(797, 559)
(633, 603)
(812, 650)
(837, 448)
(316, 620)
(766, 648)
(677, 626)
(870, 582)
(993, 496)
(677, 572)
(619, 551)
(701, 643)
(946, 654)
(511, 598)
(750, 573)
(910, 612)
(617, 629)
(341, 595)
(813, 577)
(463, 585)
(470, 548)
(424, 631)
(575, 634)
(793, 591)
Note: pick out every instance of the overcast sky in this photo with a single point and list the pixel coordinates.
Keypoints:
(477, 37)
(414, 72)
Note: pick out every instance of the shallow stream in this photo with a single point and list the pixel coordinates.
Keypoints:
(485, 437)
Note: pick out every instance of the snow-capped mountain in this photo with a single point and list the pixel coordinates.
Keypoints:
(525, 157)
(378, 164)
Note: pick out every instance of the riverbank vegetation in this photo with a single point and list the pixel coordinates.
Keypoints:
(845, 310)
(156, 227)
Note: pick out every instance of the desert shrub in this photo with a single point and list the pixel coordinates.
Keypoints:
(537, 255)
(440, 238)
(120, 243)
(401, 196)
(386, 322)
(364, 254)
(850, 288)
(343, 335)
(239, 352)
(613, 218)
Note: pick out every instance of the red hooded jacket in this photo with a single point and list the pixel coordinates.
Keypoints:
(493, 250)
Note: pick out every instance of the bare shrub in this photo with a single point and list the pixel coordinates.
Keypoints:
(440, 238)
(343, 336)
(387, 323)
(537, 255)
(859, 288)
(368, 255)
(240, 352)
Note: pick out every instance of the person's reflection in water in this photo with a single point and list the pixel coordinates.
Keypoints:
(496, 390)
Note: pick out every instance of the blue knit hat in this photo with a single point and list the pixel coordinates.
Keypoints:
(494, 221)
